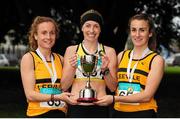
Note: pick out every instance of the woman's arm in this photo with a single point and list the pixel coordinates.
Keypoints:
(28, 80)
(111, 60)
(69, 68)
(153, 81)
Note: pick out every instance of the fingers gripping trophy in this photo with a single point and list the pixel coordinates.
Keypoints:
(88, 67)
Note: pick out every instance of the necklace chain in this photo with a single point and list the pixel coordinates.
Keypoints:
(98, 47)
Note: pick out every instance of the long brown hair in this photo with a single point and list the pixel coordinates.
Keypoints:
(142, 16)
(33, 30)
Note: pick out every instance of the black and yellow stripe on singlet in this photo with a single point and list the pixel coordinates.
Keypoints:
(140, 77)
(43, 80)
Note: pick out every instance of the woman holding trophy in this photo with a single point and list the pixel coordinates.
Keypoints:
(41, 72)
(140, 71)
(88, 69)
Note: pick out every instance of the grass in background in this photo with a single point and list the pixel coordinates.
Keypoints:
(172, 70)
(9, 68)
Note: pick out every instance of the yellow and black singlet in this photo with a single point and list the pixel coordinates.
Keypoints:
(137, 85)
(44, 85)
(97, 75)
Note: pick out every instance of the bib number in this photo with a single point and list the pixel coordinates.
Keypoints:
(125, 89)
(52, 104)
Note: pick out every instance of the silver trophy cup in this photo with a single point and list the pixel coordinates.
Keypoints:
(88, 66)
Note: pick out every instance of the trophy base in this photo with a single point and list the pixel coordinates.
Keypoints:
(87, 100)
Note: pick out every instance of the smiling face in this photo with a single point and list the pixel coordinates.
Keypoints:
(91, 30)
(46, 35)
(140, 33)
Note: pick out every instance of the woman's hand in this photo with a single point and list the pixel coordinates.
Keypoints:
(105, 100)
(73, 60)
(65, 96)
(105, 62)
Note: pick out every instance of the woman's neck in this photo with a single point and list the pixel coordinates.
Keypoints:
(46, 53)
(138, 52)
(91, 47)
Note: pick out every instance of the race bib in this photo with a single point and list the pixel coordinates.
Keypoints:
(51, 104)
(125, 89)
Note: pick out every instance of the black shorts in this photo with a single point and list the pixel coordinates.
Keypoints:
(93, 111)
(50, 114)
(139, 114)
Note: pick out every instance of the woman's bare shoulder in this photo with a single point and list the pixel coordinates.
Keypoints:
(109, 49)
(71, 48)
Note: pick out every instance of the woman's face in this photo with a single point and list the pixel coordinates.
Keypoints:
(46, 35)
(91, 30)
(139, 32)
